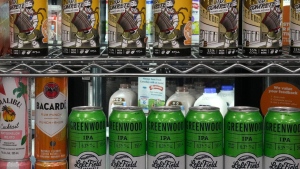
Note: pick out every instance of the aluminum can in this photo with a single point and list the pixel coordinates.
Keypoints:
(15, 121)
(87, 137)
(127, 28)
(282, 133)
(219, 28)
(294, 27)
(28, 27)
(15, 164)
(204, 138)
(127, 138)
(51, 116)
(262, 27)
(80, 27)
(62, 164)
(166, 138)
(172, 28)
(243, 138)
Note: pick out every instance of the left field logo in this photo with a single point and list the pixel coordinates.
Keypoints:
(51, 90)
(88, 161)
(8, 114)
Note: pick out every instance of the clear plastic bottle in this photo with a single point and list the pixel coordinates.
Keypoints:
(211, 98)
(227, 94)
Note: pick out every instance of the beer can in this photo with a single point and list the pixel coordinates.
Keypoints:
(294, 28)
(219, 28)
(243, 138)
(127, 138)
(87, 137)
(28, 27)
(15, 164)
(172, 28)
(282, 138)
(15, 121)
(204, 138)
(51, 115)
(127, 28)
(80, 27)
(262, 27)
(166, 138)
(51, 164)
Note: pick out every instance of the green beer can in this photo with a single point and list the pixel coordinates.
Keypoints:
(243, 138)
(127, 138)
(166, 138)
(87, 138)
(204, 138)
(282, 138)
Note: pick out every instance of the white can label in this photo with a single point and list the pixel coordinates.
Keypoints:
(204, 161)
(87, 160)
(243, 161)
(165, 161)
(123, 160)
(281, 161)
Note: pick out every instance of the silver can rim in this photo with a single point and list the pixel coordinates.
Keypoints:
(284, 109)
(55, 71)
(243, 109)
(204, 108)
(87, 108)
(127, 108)
(166, 108)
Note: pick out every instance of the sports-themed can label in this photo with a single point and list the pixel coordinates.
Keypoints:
(15, 121)
(127, 28)
(52, 165)
(87, 138)
(127, 138)
(243, 138)
(28, 27)
(166, 138)
(262, 27)
(219, 26)
(51, 115)
(295, 27)
(80, 27)
(281, 139)
(172, 27)
(204, 138)
(18, 164)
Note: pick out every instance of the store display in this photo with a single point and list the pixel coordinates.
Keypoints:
(204, 138)
(87, 137)
(294, 27)
(127, 28)
(51, 116)
(28, 28)
(15, 164)
(166, 138)
(172, 28)
(15, 117)
(181, 98)
(219, 31)
(227, 94)
(51, 165)
(243, 138)
(81, 27)
(262, 27)
(281, 139)
(127, 138)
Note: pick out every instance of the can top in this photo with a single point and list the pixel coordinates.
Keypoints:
(244, 109)
(284, 109)
(204, 108)
(166, 108)
(87, 108)
(55, 71)
(19, 71)
(127, 108)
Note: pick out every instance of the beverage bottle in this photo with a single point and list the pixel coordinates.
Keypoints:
(227, 94)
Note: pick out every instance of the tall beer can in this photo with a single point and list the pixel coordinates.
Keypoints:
(282, 133)
(15, 121)
(51, 115)
(80, 27)
(28, 27)
(219, 21)
(127, 28)
(172, 28)
(262, 27)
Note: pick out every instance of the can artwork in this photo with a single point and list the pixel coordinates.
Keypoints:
(172, 28)
(15, 164)
(80, 27)
(15, 117)
(282, 133)
(204, 138)
(166, 138)
(127, 138)
(52, 165)
(243, 138)
(262, 27)
(28, 27)
(51, 117)
(87, 138)
(127, 28)
(294, 27)
(219, 21)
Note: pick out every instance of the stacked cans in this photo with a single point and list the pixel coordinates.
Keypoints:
(15, 144)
